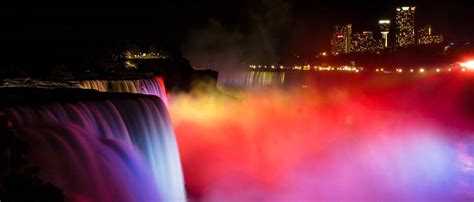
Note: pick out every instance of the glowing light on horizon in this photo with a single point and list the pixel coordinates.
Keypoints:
(468, 64)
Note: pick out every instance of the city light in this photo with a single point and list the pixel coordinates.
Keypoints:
(384, 26)
(466, 66)
(469, 64)
(362, 42)
(265, 101)
(143, 56)
(425, 36)
(341, 39)
(405, 26)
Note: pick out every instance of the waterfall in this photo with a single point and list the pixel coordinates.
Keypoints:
(252, 79)
(105, 150)
(154, 86)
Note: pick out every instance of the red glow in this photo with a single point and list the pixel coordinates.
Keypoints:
(340, 36)
(344, 142)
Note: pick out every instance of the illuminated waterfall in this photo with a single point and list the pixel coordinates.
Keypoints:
(143, 86)
(252, 79)
(93, 149)
(256, 78)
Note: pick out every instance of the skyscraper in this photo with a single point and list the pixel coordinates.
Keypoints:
(384, 29)
(341, 39)
(405, 22)
(364, 43)
(426, 37)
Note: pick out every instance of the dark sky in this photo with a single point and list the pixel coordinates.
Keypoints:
(298, 26)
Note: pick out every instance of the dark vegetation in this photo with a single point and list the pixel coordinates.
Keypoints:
(93, 59)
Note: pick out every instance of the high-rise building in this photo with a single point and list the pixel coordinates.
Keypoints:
(364, 42)
(425, 31)
(341, 39)
(405, 23)
(425, 36)
(384, 29)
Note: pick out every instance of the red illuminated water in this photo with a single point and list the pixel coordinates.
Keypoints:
(380, 138)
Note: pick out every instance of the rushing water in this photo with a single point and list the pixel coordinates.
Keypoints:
(143, 86)
(252, 79)
(108, 150)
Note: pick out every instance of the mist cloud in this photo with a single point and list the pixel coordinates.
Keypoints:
(225, 48)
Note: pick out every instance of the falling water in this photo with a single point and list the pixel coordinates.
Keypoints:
(143, 86)
(91, 148)
(253, 79)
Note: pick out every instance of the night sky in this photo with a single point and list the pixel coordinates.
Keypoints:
(278, 26)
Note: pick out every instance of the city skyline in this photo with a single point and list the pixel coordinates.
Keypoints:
(259, 31)
(406, 33)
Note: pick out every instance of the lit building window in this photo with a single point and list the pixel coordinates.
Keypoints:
(341, 39)
(405, 23)
(426, 37)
